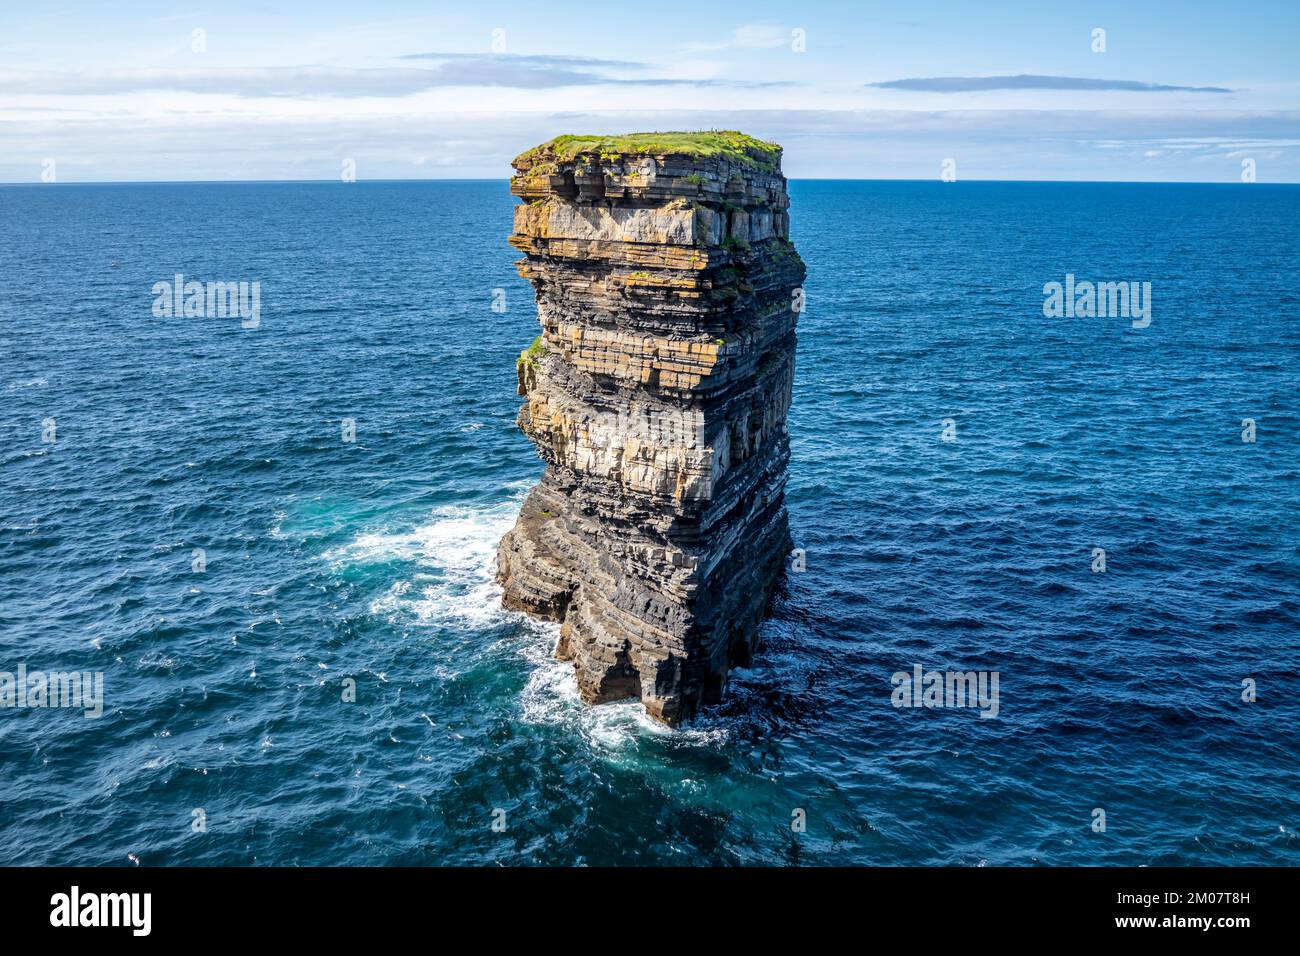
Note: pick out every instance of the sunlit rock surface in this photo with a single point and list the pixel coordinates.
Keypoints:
(667, 291)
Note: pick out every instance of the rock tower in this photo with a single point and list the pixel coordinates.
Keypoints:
(667, 291)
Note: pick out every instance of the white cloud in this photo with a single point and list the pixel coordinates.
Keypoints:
(483, 72)
(754, 36)
(403, 140)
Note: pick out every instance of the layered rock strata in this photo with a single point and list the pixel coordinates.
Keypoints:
(667, 291)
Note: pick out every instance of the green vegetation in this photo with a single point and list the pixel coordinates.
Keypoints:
(711, 144)
(783, 253)
(531, 355)
(695, 179)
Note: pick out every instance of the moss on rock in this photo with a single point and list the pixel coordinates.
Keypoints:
(725, 144)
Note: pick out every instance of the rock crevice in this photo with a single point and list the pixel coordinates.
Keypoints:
(667, 291)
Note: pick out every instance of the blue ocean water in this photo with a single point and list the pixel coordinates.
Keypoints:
(371, 560)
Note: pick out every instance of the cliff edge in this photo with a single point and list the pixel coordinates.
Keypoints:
(667, 291)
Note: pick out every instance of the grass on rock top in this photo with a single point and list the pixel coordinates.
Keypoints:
(530, 355)
(710, 144)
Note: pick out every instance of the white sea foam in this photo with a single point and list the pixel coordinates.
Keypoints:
(453, 585)
(29, 383)
(454, 554)
(551, 697)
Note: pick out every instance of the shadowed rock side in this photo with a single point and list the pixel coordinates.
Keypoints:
(657, 394)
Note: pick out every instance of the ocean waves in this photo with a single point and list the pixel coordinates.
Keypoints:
(364, 569)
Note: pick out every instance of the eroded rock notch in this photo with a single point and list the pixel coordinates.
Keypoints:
(667, 291)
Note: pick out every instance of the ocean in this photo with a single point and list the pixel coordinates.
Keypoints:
(303, 652)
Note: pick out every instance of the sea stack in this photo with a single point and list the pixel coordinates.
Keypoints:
(667, 291)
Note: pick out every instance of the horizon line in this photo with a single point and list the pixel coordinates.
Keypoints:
(506, 179)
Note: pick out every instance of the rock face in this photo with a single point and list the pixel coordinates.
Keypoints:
(667, 291)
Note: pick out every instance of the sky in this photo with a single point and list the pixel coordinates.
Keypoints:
(150, 91)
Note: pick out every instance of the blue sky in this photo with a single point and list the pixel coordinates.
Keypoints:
(174, 91)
